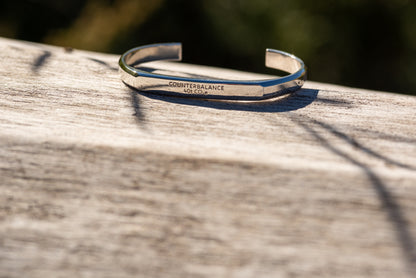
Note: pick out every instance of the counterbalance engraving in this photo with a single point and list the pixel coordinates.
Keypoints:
(197, 88)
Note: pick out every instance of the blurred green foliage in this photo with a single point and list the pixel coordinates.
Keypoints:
(361, 43)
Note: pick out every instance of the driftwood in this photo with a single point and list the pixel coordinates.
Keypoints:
(98, 180)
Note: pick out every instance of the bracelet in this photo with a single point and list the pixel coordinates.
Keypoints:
(142, 80)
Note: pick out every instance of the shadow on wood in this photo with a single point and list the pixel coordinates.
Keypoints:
(387, 200)
(290, 102)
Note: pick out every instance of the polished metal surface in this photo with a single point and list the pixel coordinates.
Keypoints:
(142, 80)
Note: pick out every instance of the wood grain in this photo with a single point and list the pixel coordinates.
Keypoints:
(98, 180)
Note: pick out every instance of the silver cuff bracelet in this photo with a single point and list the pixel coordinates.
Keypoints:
(133, 76)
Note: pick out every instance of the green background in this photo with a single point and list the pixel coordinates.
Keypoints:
(367, 44)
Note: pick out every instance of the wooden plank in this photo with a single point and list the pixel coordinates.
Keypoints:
(99, 180)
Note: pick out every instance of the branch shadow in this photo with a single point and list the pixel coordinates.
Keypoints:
(135, 102)
(389, 137)
(363, 148)
(391, 206)
(41, 60)
(335, 102)
(105, 64)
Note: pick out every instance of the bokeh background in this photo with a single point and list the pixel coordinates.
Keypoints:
(361, 43)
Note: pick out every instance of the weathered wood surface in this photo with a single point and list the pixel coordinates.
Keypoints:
(100, 181)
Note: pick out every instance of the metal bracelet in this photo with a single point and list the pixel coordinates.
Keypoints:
(133, 76)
